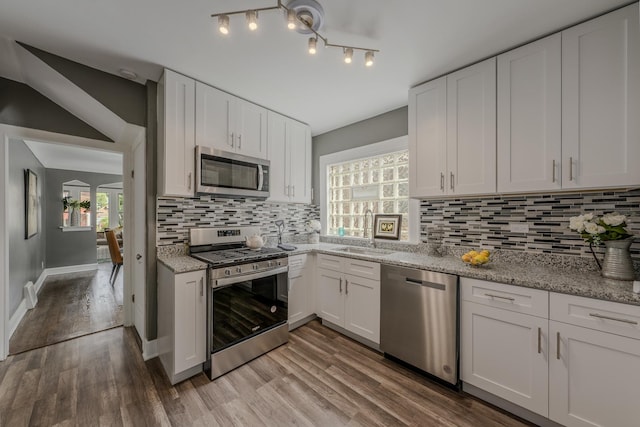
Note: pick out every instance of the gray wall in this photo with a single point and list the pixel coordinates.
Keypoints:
(26, 256)
(21, 105)
(77, 247)
(379, 128)
(151, 158)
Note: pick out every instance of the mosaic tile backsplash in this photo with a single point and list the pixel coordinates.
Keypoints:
(176, 215)
(484, 221)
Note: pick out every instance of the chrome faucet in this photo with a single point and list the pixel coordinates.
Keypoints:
(364, 226)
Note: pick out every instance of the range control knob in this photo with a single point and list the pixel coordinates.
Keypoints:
(238, 270)
(279, 263)
(254, 266)
(269, 263)
(227, 272)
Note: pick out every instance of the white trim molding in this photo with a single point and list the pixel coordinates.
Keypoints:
(149, 349)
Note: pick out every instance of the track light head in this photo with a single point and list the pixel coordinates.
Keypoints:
(223, 24)
(252, 19)
(348, 55)
(291, 19)
(312, 45)
(368, 58)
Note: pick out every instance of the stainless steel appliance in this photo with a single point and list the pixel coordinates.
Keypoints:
(247, 296)
(229, 174)
(419, 319)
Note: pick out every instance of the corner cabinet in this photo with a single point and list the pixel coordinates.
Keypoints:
(601, 101)
(182, 320)
(452, 134)
(289, 144)
(176, 137)
(349, 295)
(225, 122)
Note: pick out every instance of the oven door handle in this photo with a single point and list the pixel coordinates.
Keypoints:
(225, 281)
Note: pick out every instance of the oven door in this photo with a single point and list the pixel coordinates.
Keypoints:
(229, 174)
(244, 306)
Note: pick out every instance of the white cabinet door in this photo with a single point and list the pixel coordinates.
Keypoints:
(330, 295)
(214, 117)
(529, 117)
(190, 320)
(601, 101)
(278, 156)
(593, 377)
(362, 307)
(471, 130)
(505, 353)
(299, 150)
(428, 138)
(298, 296)
(176, 139)
(251, 128)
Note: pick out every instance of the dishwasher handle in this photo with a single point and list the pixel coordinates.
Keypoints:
(425, 283)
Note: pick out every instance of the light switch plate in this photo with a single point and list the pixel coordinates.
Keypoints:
(519, 227)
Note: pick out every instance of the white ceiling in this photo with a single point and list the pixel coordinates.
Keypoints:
(418, 39)
(72, 157)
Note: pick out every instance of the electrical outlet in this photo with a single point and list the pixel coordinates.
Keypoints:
(519, 227)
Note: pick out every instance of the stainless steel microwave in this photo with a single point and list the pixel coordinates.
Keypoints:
(225, 174)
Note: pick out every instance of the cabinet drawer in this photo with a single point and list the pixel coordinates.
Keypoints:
(297, 262)
(329, 262)
(514, 298)
(606, 316)
(366, 269)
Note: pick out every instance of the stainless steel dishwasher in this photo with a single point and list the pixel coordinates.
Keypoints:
(419, 319)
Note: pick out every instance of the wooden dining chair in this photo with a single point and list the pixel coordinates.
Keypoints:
(116, 255)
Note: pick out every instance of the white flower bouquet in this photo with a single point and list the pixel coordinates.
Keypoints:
(595, 230)
(314, 226)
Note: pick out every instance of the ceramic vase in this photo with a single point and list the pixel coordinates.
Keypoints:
(617, 260)
(74, 217)
(314, 237)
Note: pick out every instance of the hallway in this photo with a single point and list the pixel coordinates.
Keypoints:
(69, 306)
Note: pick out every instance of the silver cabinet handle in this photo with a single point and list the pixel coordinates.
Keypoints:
(232, 138)
(239, 141)
(600, 316)
(500, 296)
(570, 168)
(293, 191)
(346, 287)
(189, 178)
(558, 345)
(201, 287)
(441, 181)
(452, 181)
(286, 190)
(539, 340)
(341, 285)
(553, 171)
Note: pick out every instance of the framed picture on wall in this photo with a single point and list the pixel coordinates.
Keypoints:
(31, 203)
(387, 227)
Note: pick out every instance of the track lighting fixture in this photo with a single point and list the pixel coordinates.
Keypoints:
(348, 55)
(252, 19)
(303, 16)
(223, 24)
(368, 58)
(312, 45)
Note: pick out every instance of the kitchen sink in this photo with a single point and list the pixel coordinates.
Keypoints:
(364, 251)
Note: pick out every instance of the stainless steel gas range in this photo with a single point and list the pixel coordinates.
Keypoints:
(247, 296)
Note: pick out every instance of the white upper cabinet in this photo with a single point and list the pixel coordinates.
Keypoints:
(601, 101)
(290, 156)
(529, 117)
(228, 123)
(471, 129)
(176, 140)
(428, 138)
(452, 133)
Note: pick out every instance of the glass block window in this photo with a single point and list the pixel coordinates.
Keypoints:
(379, 183)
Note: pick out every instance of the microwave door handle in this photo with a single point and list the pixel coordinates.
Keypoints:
(260, 177)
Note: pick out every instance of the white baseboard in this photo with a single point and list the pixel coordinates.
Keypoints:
(149, 349)
(17, 317)
(40, 281)
(70, 269)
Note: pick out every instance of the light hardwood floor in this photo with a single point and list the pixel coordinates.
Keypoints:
(69, 306)
(319, 378)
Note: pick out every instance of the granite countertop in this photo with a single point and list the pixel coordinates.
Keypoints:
(552, 278)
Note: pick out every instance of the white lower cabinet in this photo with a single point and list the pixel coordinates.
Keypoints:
(578, 366)
(182, 320)
(505, 351)
(349, 295)
(301, 296)
(594, 371)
